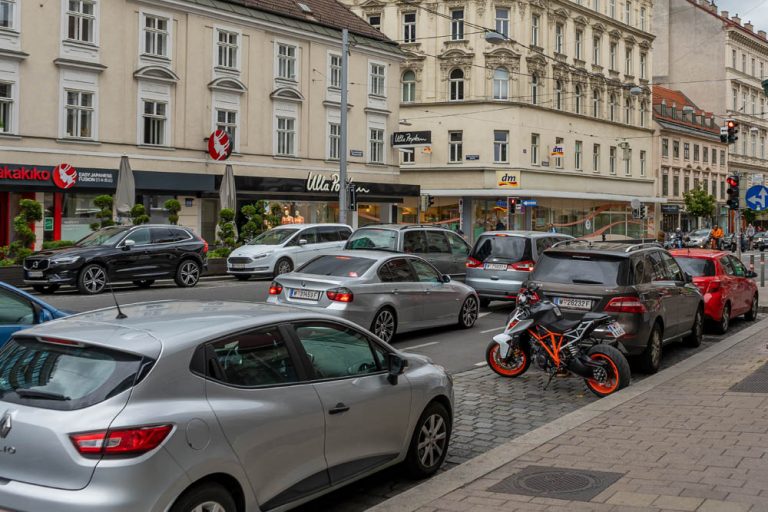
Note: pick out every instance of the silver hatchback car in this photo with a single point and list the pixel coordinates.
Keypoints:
(203, 406)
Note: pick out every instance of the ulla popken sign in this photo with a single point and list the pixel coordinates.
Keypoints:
(411, 139)
(320, 183)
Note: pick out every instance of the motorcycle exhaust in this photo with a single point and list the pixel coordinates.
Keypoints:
(583, 366)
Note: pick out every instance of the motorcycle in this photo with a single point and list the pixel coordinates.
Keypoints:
(537, 332)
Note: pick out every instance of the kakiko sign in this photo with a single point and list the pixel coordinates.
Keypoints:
(411, 139)
(61, 177)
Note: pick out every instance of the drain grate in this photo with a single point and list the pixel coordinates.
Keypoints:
(557, 483)
(755, 382)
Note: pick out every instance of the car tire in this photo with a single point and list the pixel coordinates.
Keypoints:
(484, 303)
(384, 324)
(721, 327)
(429, 443)
(697, 330)
(751, 315)
(242, 277)
(283, 266)
(187, 274)
(650, 359)
(92, 279)
(469, 312)
(45, 288)
(205, 497)
(144, 283)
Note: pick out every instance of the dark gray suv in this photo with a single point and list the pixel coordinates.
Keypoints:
(639, 284)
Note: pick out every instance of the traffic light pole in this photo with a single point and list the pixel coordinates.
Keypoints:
(343, 192)
(737, 219)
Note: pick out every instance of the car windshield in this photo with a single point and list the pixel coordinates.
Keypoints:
(511, 249)
(273, 237)
(373, 239)
(338, 266)
(697, 266)
(564, 268)
(106, 236)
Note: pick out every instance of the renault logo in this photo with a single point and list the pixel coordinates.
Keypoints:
(5, 425)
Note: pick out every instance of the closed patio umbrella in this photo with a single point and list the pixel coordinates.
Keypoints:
(227, 193)
(125, 195)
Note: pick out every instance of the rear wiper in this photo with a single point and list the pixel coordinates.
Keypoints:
(42, 395)
(585, 281)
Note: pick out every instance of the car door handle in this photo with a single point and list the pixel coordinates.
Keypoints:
(395, 291)
(340, 408)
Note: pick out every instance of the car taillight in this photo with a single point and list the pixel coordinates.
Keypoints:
(340, 295)
(534, 297)
(523, 266)
(275, 288)
(129, 441)
(625, 305)
(473, 263)
(713, 286)
(205, 247)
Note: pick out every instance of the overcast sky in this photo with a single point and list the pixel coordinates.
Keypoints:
(755, 10)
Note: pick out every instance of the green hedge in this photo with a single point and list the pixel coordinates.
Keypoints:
(57, 244)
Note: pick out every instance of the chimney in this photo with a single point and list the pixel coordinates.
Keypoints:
(748, 25)
(724, 14)
(736, 19)
(713, 7)
(762, 34)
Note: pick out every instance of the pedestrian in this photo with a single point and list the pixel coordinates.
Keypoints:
(551, 228)
(750, 232)
(499, 225)
(661, 237)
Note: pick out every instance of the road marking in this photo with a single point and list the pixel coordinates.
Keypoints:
(422, 345)
(481, 315)
(494, 329)
(483, 363)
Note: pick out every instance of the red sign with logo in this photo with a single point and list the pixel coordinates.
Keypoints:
(64, 176)
(219, 145)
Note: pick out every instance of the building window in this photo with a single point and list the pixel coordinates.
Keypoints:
(642, 163)
(374, 20)
(733, 59)
(156, 36)
(457, 24)
(502, 21)
(286, 61)
(535, 148)
(455, 149)
(722, 189)
(596, 50)
(500, 146)
(642, 114)
(754, 104)
(665, 184)
(226, 120)
(577, 154)
(559, 35)
(628, 111)
(676, 149)
(6, 13)
(743, 62)
(79, 114)
(686, 151)
(753, 67)
(596, 5)
(642, 19)
(628, 62)
(753, 144)
(559, 95)
(665, 147)
(612, 8)
(596, 103)
(762, 146)
(6, 107)
(577, 98)
(377, 145)
(335, 71)
(559, 159)
(612, 106)
(155, 118)
(596, 158)
(734, 97)
(457, 85)
(714, 156)
(334, 141)
(378, 80)
(686, 184)
(612, 159)
(407, 156)
(675, 186)
(500, 84)
(695, 152)
(722, 157)
(409, 27)
(286, 136)
(579, 44)
(628, 12)
(643, 65)
(612, 56)
(534, 89)
(627, 162)
(535, 19)
(81, 20)
(409, 86)
(227, 49)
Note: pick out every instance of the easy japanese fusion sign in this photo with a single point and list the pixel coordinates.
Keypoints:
(61, 177)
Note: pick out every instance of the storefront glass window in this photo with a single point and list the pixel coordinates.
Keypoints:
(369, 214)
(445, 211)
(407, 212)
(489, 215)
(78, 213)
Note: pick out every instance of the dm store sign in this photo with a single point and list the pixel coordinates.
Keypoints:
(508, 179)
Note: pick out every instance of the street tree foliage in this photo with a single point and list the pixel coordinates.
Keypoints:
(259, 217)
(699, 204)
(104, 203)
(173, 207)
(29, 211)
(139, 215)
(226, 231)
(749, 215)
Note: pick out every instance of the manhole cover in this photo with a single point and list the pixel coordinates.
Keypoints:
(755, 382)
(557, 483)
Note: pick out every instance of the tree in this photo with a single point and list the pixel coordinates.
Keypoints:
(104, 203)
(699, 204)
(259, 216)
(173, 207)
(29, 211)
(226, 231)
(139, 215)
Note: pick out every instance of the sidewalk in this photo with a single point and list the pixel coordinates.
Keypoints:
(679, 440)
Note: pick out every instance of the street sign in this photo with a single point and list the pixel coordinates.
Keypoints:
(219, 145)
(48, 224)
(530, 202)
(757, 198)
(356, 153)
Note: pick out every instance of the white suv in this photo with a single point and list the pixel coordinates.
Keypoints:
(284, 248)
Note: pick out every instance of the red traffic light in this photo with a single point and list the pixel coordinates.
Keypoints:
(731, 124)
(733, 181)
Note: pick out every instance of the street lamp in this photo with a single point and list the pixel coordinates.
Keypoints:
(493, 37)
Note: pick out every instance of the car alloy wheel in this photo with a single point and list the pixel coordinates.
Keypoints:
(94, 279)
(384, 325)
(189, 273)
(209, 506)
(433, 436)
(283, 267)
(725, 320)
(469, 312)
(752, 314)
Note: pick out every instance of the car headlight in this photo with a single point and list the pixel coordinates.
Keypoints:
(64, 260)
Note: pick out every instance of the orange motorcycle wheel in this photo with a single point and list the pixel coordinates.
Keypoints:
(617, 370)
(514, 368)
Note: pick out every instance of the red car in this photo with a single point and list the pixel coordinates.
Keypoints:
(728, 287)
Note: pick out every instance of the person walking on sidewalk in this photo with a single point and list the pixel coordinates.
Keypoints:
(750, 232)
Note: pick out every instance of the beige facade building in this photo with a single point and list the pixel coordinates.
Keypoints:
(720, 61)
(545, 116)
(151, 80)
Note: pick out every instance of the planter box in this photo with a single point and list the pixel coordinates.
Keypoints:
(216, 267)
(13, 275)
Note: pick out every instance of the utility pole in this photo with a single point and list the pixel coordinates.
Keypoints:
(343, 135)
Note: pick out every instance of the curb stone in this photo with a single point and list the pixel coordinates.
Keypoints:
(474, 469)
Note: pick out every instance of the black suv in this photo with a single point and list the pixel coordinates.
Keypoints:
(140, 254)
(639, 284)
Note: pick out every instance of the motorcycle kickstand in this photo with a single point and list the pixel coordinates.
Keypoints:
(551, 376)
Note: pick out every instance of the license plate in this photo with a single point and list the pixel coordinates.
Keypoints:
(567, 303)
(495, 266)
(304, 294)
(616, 329)
(237, 265)
(34, 273)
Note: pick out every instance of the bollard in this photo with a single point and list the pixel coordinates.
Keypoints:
(751, 262)
(762, 269)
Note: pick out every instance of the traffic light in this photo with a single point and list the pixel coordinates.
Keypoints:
(352, 197)
(733, 129)
(723, 134)
(430, 201)
(643, 211)
(733, 192)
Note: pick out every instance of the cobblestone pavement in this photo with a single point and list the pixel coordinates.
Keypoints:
(489, 411)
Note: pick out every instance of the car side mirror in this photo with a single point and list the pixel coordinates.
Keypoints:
(445, 278)
(302, 241)
(44, 316)
(396, 365)
(128, 244)
(688, 277)
(751, 274)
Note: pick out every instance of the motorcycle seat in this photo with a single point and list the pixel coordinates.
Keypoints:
(563, 325)
(596, 317)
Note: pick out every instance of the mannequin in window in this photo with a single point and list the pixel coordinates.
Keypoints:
(287, 219)
(298, 219)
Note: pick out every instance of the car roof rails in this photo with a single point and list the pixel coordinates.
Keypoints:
(643, 245)
(572, 241)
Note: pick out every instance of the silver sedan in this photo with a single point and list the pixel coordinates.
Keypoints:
(384, 292)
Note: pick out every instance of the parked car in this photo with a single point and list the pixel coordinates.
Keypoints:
(698, 238)
(440, 246)
(760, 240)
(728, 286)
(228, 406)
(639, 284)
(501, 261)
(281, 249)
(384, 292)
(20, 310)
(141, 254)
